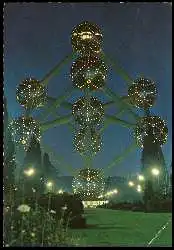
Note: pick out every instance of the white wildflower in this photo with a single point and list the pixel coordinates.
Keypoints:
(33, 234)
(65, 207)
(52, 212)
(24, 208)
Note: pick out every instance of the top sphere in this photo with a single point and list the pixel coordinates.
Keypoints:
(86, 38)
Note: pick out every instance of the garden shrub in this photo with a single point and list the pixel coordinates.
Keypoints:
(66, 206)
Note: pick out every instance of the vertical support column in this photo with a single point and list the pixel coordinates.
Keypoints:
(152, 157)
(88, 153)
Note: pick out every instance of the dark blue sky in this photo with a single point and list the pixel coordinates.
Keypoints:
(139, 36)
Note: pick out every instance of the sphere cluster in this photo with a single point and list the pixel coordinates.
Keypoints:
(23, 129)
(142, 93)
(88, 72)
(86, 38)
(89, 183)
(88, 113)
(31, 94)
(153, 126)
(83, 142)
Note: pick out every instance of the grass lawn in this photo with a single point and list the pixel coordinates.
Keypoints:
(123, 228)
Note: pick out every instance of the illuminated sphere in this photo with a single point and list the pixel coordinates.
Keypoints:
(89, 183)
(88, 113)
(31, 94)
(86, 38)
(88, 72)
(151, 125)
(23, 129)
(83, 142)
(142, 93)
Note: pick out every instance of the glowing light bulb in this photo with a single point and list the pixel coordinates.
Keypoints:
(131, 183)
(29, 172)
(141, 178)
(49, 184)
(155, 171)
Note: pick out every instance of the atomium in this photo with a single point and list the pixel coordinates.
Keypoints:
(83, 141)
(23, 129)
(88, 112)
(86, 38)
(31, 94)
(153, 126)
(88, 72)
(89, 183)
(142, 93)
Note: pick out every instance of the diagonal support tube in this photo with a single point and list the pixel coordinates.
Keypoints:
(57, 69)
(56, 104)
(119, 101)
(119, 70)
(107, 122)
(59, 159)
(56, 122)
(121, 157)
(68, 105)
(114, 119)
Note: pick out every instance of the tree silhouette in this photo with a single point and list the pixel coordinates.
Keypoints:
(33, 160)
(50, 172)
(152, 156)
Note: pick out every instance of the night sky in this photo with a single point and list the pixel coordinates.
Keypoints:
(139, 36)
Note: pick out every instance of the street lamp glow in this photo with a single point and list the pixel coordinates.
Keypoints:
(49, 184)
(60, 191)
(130, 183)
(29, 172)
(139, 189)
(108, 193)
(140, 177)
(115, 191)
(155, 171)
(101, 196)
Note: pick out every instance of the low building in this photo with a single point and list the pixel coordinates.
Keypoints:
(94, 204)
